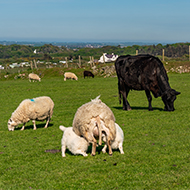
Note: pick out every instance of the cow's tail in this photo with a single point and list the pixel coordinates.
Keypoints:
(119, 90)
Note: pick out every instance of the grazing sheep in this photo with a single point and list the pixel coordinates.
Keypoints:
(39, 109)
(75, 143)
(69, 75)
(88, 74)
(95, 115)
(118, 142)
(34, 77)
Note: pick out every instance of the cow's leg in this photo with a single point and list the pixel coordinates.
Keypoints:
(126, 105)
(149, 97)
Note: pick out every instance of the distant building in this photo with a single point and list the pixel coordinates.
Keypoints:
(1, 67)
(107, 58)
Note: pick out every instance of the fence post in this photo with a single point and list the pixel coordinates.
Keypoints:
(103, 58)
(90, 61)
(31, 65)
(79, 62)
(66, 62)
(162, 54)
(137, 52)
(35, 64)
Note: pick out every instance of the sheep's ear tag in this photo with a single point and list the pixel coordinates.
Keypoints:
(32, 100)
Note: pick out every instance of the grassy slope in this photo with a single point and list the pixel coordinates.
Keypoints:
(156, 143)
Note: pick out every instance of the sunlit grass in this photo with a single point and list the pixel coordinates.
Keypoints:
(156, 143)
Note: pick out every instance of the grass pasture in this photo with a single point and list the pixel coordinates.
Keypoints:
(156, 145)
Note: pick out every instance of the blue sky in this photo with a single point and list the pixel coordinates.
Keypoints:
(95, 20)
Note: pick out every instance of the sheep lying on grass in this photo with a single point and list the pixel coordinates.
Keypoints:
(93, 118)
(34, 77)
(69, 75)
(39, 109)
(118, 142)
(75, 143)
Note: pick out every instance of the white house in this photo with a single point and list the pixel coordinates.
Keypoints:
(107, 58)
(1, 67)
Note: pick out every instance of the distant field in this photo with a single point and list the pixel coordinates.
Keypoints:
(156, 145)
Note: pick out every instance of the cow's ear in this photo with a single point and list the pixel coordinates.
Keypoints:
(176, 92)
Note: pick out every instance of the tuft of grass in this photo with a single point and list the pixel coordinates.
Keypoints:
(156, 143)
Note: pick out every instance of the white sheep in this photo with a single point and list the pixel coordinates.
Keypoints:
(75, 143)
(93, 118)
(118, 142)
(40, 108)
(69, 75)
(34, 77)
(79, 145)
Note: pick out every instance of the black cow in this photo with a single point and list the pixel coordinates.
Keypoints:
(144, 72)
(88, 74)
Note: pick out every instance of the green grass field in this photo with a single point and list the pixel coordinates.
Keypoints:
(156, 145)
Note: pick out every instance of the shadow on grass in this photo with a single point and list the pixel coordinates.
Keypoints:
(41, 125)
(98, 151)
(139, 108)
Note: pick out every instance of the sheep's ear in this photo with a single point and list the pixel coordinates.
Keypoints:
(97, 97)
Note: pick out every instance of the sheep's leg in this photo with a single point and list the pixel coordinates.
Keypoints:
(99, 130)
(104, 149)
(33, 121)
(121, 148)
(63, 149)
(23, 127)
(93, 149)
(109, 147)
(47, 121)
(81, 152)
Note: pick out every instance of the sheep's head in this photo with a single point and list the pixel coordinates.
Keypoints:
(11, 125)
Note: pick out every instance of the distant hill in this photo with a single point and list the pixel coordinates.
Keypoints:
(74, 50)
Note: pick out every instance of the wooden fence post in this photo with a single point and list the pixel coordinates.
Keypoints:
(35, 64)
(137, 52)
(103, 58)
(31, 65)
(66, 62)
(162, 54)
(79, 62)
(90, 61)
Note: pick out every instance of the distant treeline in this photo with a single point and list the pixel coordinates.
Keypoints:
(26, 51)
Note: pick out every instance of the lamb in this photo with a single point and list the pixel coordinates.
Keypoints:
(93, 118)
(78, 145)
(34, 77)
(118, 142)
(40, 108)
(75, 143)
(88, 74)
(69, 75)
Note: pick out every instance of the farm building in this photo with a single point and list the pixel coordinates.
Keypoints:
(107, 58)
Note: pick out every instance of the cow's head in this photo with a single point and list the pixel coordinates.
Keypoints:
(168, 98)
(11, 125)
